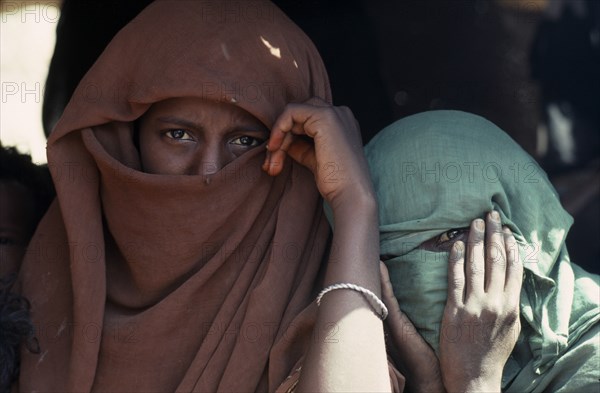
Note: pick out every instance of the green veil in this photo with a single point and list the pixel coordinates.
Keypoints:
(439, 170)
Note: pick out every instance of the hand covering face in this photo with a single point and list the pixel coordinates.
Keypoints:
(437, 171)
(142, 282)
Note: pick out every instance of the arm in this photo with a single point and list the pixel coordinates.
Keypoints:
(348, 350)
(481, 320)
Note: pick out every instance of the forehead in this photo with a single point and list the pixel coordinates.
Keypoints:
(198, 109)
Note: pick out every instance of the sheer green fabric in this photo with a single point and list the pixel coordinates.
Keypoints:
(437, 171)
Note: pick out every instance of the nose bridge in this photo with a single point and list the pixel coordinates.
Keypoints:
(210, 159)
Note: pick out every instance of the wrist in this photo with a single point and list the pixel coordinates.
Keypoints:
(476, 384)
(357, 204)
(481, 388)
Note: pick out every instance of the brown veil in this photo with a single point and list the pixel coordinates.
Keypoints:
(159, 283)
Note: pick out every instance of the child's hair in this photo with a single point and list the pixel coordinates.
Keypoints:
(18, 167)
(15, 322)
(15, 328)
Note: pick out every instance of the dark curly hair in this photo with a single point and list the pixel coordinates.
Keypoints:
(16, 328)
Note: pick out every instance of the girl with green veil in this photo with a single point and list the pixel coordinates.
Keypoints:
(434, 173)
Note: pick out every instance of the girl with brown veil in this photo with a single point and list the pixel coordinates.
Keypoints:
(177, 255)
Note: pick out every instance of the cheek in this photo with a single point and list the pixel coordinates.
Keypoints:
(165, 162)
(153, 160)
(146, 147)
(157, 157)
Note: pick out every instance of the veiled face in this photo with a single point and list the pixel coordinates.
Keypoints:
(192, 136)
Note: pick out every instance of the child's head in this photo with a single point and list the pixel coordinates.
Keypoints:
(25, 192)
(434, 173)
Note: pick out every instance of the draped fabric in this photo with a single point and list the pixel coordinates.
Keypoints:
(439, 170)
(156, 283)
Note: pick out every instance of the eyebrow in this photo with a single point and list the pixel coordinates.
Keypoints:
(181, 122)
(196, 126)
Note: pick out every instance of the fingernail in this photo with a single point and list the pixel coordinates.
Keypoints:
(457, 251)
(272, 166)
(458, 247)
(479, 224)
(495, 216)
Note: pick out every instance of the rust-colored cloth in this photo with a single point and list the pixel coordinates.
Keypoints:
(160, 283)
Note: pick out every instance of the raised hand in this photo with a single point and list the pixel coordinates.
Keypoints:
(325, 139)
(481, 320)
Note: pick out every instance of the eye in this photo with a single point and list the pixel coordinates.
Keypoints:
(247, 141)
(450, 235)
(178, 134)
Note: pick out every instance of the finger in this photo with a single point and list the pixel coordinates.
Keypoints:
(514, 268)
(290, 122)
(282, 132)
(267, 161)
(387, 290)
(456, 274)
(277, 156)
(399, 324)
(297, 118)
(475, 260)
(284, 126)
(300, 150)
(303, 152)
(288, 139)
(495, 254)
(396, 319)
(276, 162)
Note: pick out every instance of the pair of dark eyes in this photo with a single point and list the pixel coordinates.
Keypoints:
(244, 140)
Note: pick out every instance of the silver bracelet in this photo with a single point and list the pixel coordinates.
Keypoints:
(374, 301)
